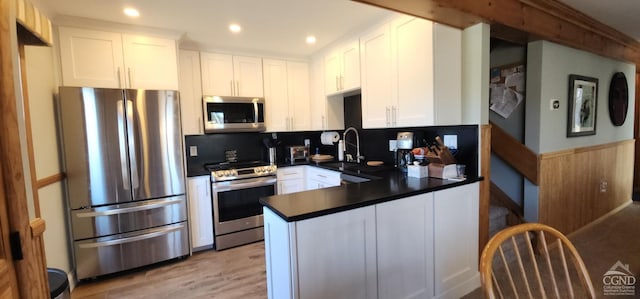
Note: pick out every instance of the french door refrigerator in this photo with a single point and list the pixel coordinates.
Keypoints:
(126, 193)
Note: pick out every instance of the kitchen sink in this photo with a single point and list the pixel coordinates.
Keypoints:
(354, 167)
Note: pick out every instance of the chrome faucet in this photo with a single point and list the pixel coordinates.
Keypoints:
(344, 137)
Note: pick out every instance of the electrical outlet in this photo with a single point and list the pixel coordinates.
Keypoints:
(193, 151)
(554, 104)
(603, 186)
(451, 141)
(393, 145)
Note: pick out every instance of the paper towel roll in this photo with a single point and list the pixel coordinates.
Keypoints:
(328, 138)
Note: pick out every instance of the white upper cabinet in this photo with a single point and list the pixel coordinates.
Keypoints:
(112, 60)
(342, 69)
(286, 92)
(403, 64)
(227, 75)
(190, 92)
(151, 62)
(327, 112)
(378, 99)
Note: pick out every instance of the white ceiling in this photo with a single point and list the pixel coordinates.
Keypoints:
(279, 27)
(622, 15)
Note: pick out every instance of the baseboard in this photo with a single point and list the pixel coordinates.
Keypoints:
(462, 289)
(601, 218)
(72, 281)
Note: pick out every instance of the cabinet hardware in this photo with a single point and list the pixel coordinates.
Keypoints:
(119, 78)
(237, 88)
(129, 71)
(394, 111)
(388, 111)
(323, 123)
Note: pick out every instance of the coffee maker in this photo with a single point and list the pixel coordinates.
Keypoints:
(404, 144)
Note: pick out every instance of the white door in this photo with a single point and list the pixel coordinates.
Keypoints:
(200, 212)
(377, 98)
(412, 50)
(405, 247)
(217, 74)
(456, 234)
(247, 72)
(91, 58)
(190, 93)
(299, 95)
(151, 62)
(350, 66)
(336, 255)
(275, 95)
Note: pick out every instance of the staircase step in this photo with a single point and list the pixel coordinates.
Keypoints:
(497, 219)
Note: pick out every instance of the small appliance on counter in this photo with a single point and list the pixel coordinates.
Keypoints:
(296, 153)
(404, 143)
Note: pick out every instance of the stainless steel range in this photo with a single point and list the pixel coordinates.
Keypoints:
(236, 188)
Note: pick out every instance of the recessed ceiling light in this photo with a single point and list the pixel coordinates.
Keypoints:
(235, 28)
(311, 39)
(132, 12)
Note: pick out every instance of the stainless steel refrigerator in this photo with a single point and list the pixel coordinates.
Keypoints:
(126, 193)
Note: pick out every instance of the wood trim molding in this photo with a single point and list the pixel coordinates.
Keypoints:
(52, 179)
(38, 227)
(553, 155)
(506, 201)
(516, 154)
(542, 19)
(485, 196)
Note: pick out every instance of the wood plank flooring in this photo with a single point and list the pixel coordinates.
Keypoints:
(233, 273)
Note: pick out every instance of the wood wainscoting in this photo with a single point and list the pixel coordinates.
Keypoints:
(580, 185)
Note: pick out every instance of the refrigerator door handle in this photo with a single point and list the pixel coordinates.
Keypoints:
(165, 202)
(132, 149)
(150, 235)
(124, 168)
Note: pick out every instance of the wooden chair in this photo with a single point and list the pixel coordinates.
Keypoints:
(529, 273)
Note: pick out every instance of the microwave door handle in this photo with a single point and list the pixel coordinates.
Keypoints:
(255, 112)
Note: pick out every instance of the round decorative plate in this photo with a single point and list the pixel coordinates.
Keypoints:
(618, 99)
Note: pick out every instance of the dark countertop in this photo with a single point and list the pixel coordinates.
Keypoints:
(387, 183)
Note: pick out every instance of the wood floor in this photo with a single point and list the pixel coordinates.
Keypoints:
(233, 273)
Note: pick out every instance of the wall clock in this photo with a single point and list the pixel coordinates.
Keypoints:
(618, 99)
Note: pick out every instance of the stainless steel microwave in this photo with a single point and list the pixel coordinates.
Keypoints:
(233, 114)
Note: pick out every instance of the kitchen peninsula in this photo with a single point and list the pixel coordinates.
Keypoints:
(391, 237)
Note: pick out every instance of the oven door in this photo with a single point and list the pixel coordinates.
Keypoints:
(236, 205)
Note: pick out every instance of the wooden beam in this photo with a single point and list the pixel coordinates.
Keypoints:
(547, 19)
(514, 153)
(52, 179)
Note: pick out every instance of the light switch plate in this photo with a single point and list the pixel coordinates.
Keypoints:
(393, 145)
(193, 151)
(451, 141)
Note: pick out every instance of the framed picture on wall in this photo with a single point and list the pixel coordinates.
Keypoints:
(583, 103)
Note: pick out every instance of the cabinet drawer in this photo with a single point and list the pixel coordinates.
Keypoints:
(290, 173)
(321, 178)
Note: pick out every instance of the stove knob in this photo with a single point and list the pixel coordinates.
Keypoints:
(258, 170)
(227, 173)
(234, 172)
(219, 173)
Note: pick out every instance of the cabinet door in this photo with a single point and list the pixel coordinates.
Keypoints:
(456, 240)
(247, 72)
(290, 186)
(200, 212)
(447, 63)
(332, 72)
(190, 93)
(318, 101)
(377, 98)
(405, 247)
(91, 58)
(337, 255)
(298, 95)
(350, 54)
(151, 62)
(412, 51)
(275, 95)
(321, 178)
(217, 74)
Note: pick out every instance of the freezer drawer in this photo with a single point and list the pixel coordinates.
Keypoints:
(123, 218)
(112, 254)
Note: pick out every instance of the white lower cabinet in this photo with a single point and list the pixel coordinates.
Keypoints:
(422, 246)
(201, 219)
(404, 240)
(290, 179)
(317, 178)
(456, 241)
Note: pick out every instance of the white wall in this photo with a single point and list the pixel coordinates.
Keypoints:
(551, 81)
(42, 85)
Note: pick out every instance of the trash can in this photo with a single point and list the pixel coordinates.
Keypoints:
(58, 284)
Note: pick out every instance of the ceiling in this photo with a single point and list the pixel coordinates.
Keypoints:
(279, 27)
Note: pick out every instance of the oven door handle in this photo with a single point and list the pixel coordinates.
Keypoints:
(228, 186)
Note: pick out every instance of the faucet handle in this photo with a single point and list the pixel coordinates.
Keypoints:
(349, 157)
